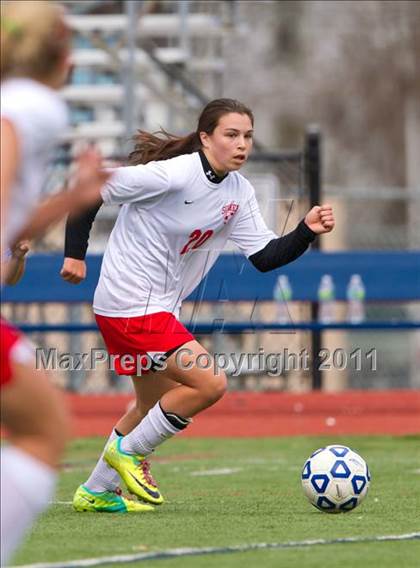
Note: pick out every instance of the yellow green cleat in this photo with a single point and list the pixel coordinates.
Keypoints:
(85, 500)
(134, 471)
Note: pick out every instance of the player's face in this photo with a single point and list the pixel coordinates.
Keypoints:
(228, 147)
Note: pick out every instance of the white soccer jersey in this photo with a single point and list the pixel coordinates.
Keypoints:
(173, 224)
(39, 116)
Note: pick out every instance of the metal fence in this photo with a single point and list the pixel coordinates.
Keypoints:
(381, 219)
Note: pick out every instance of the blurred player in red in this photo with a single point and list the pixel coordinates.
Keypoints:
(35, 50)
(182, 199)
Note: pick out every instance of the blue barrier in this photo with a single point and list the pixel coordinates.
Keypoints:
(388, 276)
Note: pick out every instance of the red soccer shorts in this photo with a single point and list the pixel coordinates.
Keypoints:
(9, 337)
(139, 344)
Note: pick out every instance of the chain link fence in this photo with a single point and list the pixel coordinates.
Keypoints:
(381, 219)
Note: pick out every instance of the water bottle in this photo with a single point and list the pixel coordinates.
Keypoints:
(326, 297)
(282, 295)
(355, 299)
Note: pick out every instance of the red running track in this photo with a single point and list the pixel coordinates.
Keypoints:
(249, 414)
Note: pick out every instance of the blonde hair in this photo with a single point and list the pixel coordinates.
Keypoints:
(34, 39)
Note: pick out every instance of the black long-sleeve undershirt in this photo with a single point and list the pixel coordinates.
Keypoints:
(276, 253)
(283, 250)
(77, 232)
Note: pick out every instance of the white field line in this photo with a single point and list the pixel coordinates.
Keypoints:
(249, 462)
(182, 552)
(221, 471)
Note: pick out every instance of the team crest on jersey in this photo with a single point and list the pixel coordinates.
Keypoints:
(228, 211)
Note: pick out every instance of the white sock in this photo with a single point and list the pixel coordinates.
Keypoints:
(27, 486)
(103, 477)
(154, 429)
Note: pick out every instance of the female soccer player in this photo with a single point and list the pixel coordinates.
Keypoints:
(182, 199)
(35, 44)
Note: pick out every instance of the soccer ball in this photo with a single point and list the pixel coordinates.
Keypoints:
(335, 479)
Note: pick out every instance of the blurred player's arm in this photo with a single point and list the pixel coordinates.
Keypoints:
(15, 263)
(88, 181)
(9, 148)
(78, 229)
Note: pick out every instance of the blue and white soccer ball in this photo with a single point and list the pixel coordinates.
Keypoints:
(335, 479)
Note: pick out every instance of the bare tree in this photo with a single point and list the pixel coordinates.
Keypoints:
(349, 65)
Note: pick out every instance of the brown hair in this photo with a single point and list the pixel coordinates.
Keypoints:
(34, 39)
(162, 145)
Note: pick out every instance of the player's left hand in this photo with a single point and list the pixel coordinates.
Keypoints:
(320, 219)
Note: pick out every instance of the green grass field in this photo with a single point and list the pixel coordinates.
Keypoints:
(224, 492)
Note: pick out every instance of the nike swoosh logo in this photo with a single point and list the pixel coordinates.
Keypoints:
(92, 501)
(188, 202)
(154, 494)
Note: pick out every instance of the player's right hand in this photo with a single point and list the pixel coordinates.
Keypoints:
(73, 271)
(20, 250)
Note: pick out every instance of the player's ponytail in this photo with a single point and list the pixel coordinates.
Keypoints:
(162, 145)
